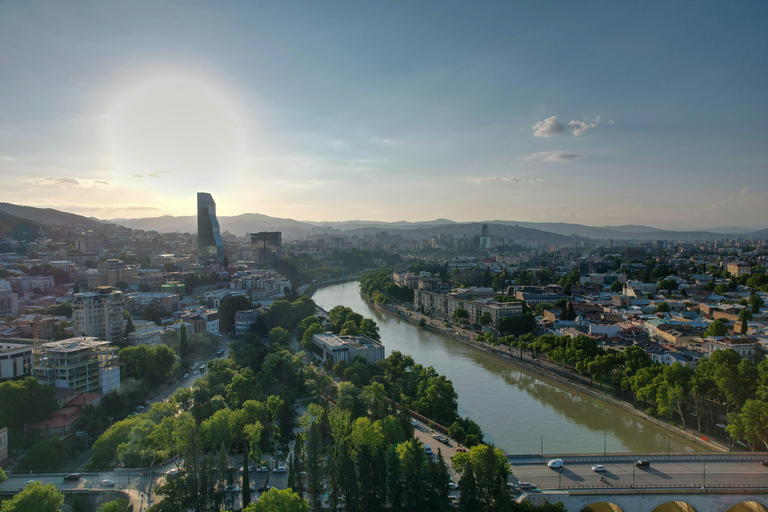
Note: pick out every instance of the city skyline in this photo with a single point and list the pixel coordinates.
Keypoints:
(598, 113)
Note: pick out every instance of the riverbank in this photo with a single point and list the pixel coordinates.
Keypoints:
(536, 368)
(312, 288)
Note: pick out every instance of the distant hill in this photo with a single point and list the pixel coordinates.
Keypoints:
(238, 224)
(48, 216)
(17, 228)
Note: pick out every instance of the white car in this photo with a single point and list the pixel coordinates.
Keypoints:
(262, 469)
(280, 469)
(453, 485)
(599, 468)
(555, 463)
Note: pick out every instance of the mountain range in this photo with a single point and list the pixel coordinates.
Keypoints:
(560, 233)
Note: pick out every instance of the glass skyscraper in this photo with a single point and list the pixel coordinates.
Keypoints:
(210, 248)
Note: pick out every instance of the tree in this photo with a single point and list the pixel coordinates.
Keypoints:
(229, 307)
(663, 307)
(485, 319)
(44, 455)
(750, 424)
(76, 289)
(117, 505)
(279, 500)
(716, 328)
(616, 287)
(460, 315)
(280, 336)
(757, 302)
(2, 476)
(129, 328)
(183, 345)
(306, 340)
(35, 496)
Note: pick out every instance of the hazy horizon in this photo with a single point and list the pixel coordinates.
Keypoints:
(596, 113)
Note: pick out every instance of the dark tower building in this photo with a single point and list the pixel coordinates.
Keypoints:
(266, 245)
(210, 248)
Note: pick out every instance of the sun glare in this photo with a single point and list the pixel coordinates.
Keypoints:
(180, 127)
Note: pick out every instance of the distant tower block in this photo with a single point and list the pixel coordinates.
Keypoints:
(209, 244)
(266, 245)
(485, 237)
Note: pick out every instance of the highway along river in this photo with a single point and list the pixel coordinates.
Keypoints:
(514, 408)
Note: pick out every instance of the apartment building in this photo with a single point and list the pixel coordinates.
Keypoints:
(346, 348)
(28, 284)
(99, 314)
(739, 268)
(444, 304)
(9, 301)
(15, 360)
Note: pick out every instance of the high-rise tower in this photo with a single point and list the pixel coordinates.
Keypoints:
(210, 248)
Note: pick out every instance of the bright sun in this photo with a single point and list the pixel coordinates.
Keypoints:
(180, 127)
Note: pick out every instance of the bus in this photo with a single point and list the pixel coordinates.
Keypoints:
(220, 353)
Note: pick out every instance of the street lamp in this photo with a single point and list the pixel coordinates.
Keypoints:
(605, 446)
(669, 440)
(560, 477)
(541, 453)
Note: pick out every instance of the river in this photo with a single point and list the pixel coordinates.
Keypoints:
(517, 410)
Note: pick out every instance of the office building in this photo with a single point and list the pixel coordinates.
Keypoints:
(15, 359)
(209, 244)
(346, 348)
(265, 245)
(99, 314)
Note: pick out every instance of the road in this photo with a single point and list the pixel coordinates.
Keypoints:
(659, 474)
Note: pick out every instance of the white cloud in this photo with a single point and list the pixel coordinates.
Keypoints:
(6, 157)
(504, 179)
(611, 123)
(548, 127)
(60, 181)
(153, 175)
(580, 127)
(553, 156)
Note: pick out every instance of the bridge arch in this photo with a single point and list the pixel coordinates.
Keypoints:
(748, 506)
(602, 506)
(674, 506)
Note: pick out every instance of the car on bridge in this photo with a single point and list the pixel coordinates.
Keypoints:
(642, 464)
(555, 463)
(72, 477)
(765, 463)
(598, 469)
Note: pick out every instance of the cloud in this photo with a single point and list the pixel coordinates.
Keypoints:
(553, 156)
(153, 175)
(504, 179)
(580, 127)
(138, 175)
(60, 181)
(548, 127)
(610, 123)
(6, 157)
(551, 127)
(55, 180)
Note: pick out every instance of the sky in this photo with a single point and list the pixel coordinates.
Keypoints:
(600, 113)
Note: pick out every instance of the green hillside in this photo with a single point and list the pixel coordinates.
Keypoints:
(47, 216)
(17, 228)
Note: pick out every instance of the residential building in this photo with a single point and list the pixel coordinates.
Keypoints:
(346, 348)
(215, 297)
(99, 314)
(739, 268)
(3, 444)
(746, 347)
(174, 287)
(114, 271)
(446, 304)
(9, 301)
(28, 284)
(137, 302)
(63, 421)
(634, 253)
(161, 260)
(15, 359)
(85, 364)
(209, 243)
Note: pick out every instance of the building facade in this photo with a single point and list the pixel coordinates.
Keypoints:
(99, 314)
(15, 360)
(346, 348)
(86, 365)
(209, 243)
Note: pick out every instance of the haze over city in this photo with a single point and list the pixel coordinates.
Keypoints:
(598, 113)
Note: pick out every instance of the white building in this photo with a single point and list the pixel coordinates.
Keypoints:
(346, 348)
(15, 360)
(28, 284)
(9, 301)
(86, 365)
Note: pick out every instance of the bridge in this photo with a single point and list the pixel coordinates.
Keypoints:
(696, 482)
(718, 500)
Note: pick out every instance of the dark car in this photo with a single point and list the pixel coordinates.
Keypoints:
(265, 488)
(642, 464)
(72, 477)
(765, 463)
